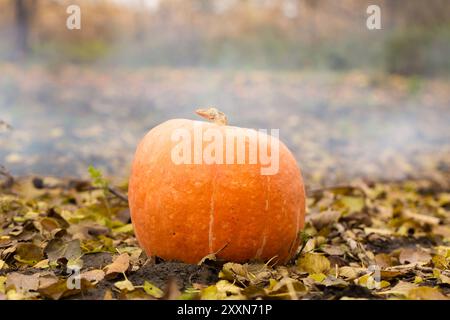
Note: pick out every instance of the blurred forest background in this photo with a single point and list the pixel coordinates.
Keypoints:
(288, 34)
(351, 102)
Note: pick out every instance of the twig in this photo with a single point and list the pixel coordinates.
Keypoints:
(304, 238)
(118, 194)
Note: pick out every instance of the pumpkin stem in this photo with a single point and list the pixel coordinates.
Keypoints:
(213, 115)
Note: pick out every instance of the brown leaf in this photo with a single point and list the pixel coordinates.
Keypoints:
(22, 283)
(28, 253)
(60, 289)
(383, 260)
(93, 276)
(414, 255)
(323, 219)
(118, 266)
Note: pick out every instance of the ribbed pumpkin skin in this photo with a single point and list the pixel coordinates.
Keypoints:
(185, 212)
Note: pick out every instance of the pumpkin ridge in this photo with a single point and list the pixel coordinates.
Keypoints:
(211, 210)
(260, 250)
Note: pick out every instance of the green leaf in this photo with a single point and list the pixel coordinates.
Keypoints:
(128, 228)
(97, 178)
(153, 290)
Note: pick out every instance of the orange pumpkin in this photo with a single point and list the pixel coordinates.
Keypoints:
(186, 211)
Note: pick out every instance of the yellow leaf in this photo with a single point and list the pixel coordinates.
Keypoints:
(353, 204)
(440, 262)
(426, 293)
(272, 283)
(3, 264)
(209, 293)
(313, 263)
(402, 288)
(418, 279)
(128, 228)
(43, 264)
(2, 284)
(153, 290)
(369, 282)
(228, 289)
(348, 272)
(124, 285)
(222, 290)
(438, 275)
(318, 277)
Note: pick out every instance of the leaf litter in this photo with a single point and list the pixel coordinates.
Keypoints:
(365, 240)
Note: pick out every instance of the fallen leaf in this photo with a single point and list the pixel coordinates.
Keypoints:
(318, 277)
(313, 263)
(43, 264)
(22, 283)
(93, 276)
(440, 262)
(414, 255)
(47, 280)
(124, 285)
(287, 288)
(383, 260)
(402, 288)
(120, 265)
(426, 293)
(127, 228)
(3, 264)
(333, 250)
(60, 289)
(349, 272)
(322, 219)
(2, 284)
(353, 204)
(28, 253)
(153, 290)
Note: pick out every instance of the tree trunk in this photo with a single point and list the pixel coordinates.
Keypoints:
(23, 11)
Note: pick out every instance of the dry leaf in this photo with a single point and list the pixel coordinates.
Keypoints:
(414, 255)
(124, 285)
(93, 276)
(313, 263)
(120, 265)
